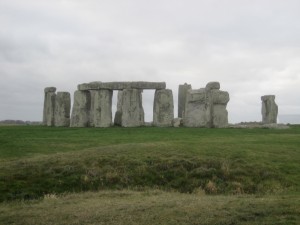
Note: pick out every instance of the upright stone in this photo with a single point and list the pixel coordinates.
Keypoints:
(182, 90)
(269, 109)
(102, 108)
(197, 111)
(206, 107)
(49, 105)
(81, 109)
(219, 111)
(163, 108)
(118, 114)
(62, 109)
(132, 108)
(92, 109)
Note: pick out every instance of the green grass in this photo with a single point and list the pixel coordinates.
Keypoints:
(224, 165)
(152, 207)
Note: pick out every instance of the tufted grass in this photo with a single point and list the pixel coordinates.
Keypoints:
(206, 176)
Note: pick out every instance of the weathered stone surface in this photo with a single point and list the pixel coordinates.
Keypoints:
(219, 111)
(121, 85)
(197, 112)
(206, 107)
(163, 108)
(269, 109)
(132, 108)
(177, 122)
(182, 89)
(49, 106)
(118, 114)
(92, 108)
(62, 109)
(46, 108)
(102, 115)
(81, 109)
(213, 85)
(50, 89)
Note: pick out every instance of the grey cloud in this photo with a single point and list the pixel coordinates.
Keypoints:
(251, 47)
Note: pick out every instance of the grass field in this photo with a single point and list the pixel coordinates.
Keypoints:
(149, 175)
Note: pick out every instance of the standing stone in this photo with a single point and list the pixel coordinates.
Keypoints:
(163, 108)
(81, 109)
(197, 110)
(206, 107)
(219, 111)
(132, 108)
(118, 114)
(102, 102)
(182, 91)
(49, 105)
(92, 109)
(62, 109)
(177, 122)
(269, 109)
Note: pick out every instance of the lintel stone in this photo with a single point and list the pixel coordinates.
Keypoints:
(121, 85)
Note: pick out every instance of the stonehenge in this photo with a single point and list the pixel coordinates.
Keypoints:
(56, 108)
(49, 105)
(206, 107)
(163, 108)
(62, 109)
(269, 109)
(92, 106)
(182, 90)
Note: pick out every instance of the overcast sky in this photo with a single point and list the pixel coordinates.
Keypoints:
(252, 47)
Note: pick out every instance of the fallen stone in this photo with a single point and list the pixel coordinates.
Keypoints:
(163, 108)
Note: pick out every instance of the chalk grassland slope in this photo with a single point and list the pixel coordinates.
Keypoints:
(38, 162)
(152, 207)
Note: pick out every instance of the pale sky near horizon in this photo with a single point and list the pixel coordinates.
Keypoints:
(252, 47)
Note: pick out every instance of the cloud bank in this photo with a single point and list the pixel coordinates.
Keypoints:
(251, 47)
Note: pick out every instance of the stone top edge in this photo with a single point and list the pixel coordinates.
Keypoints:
(264, 97)
(50, 89)
(96, 85)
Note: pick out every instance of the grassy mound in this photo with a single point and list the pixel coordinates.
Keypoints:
(37, 161)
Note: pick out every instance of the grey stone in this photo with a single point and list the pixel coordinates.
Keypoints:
(121, 85)
(163, 108)
(197, 111)
(81, 109)
(118, 114)
(269, 109)
(213, 85)
(219, 111)
(206, 107)
(49, 108)
(50, 89)
(102, 114)
(92, 108)
(132, 109)
(182, 89)
(62, 109)
(177, 122)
